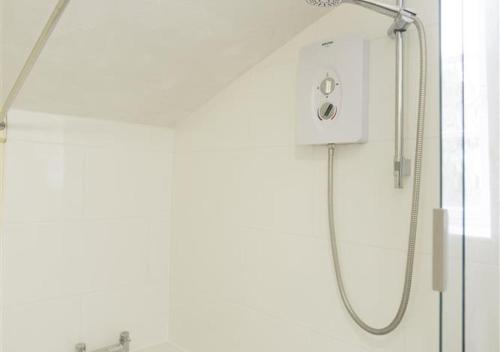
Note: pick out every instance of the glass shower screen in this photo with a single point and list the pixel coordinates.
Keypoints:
(470, 173)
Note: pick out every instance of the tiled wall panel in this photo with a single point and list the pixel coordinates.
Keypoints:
(85, 238)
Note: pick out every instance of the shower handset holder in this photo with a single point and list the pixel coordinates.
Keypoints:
(122, 346)
(401, 22)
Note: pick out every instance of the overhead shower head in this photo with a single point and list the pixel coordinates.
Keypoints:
(388, 10)
(325, 3)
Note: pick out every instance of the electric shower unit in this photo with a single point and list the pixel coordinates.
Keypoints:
(332, 92)
(332, 109)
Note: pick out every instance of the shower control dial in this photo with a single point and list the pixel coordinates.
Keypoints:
(327, 111)
(327, 86)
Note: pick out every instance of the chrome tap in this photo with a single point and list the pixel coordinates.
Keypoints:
(122, 346)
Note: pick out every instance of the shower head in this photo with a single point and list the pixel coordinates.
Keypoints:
(388, 10)
(325, 3)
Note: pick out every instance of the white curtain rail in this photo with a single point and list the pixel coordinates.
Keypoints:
(31, 60)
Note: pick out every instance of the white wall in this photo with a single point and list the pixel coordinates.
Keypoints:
(251, 266)
(85, 234)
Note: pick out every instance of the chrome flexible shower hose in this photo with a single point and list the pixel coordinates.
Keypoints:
(414, 208)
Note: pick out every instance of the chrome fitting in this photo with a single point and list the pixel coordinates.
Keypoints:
(401, 22)
(402, 168)
(125, 341)
(81, 347)
(122, 346)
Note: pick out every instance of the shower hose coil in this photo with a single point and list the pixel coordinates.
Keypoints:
(394, 323)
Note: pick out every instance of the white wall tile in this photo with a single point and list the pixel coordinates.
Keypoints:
(131, 182)
(277, 189)
(115, 252)
(44, 181)
(140, 310)
(423, 324)
(262, 332)
(50, 326)
(427, 10)
(165, 347)
(452, 306)
(85, 238)
(107, 175)
(35, 127)
(41, 261)
(320, 343)
(159, 247)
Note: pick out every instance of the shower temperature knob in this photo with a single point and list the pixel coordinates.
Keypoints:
(327, 111)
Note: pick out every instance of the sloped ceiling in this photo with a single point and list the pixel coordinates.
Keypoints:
(147, 61)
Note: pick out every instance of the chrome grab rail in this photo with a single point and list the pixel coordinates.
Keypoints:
(122, 346)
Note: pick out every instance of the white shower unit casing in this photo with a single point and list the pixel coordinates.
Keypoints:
(332, 86)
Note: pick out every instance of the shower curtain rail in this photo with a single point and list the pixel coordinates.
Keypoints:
(30, 62)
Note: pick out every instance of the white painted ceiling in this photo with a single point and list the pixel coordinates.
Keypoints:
(147, 61)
